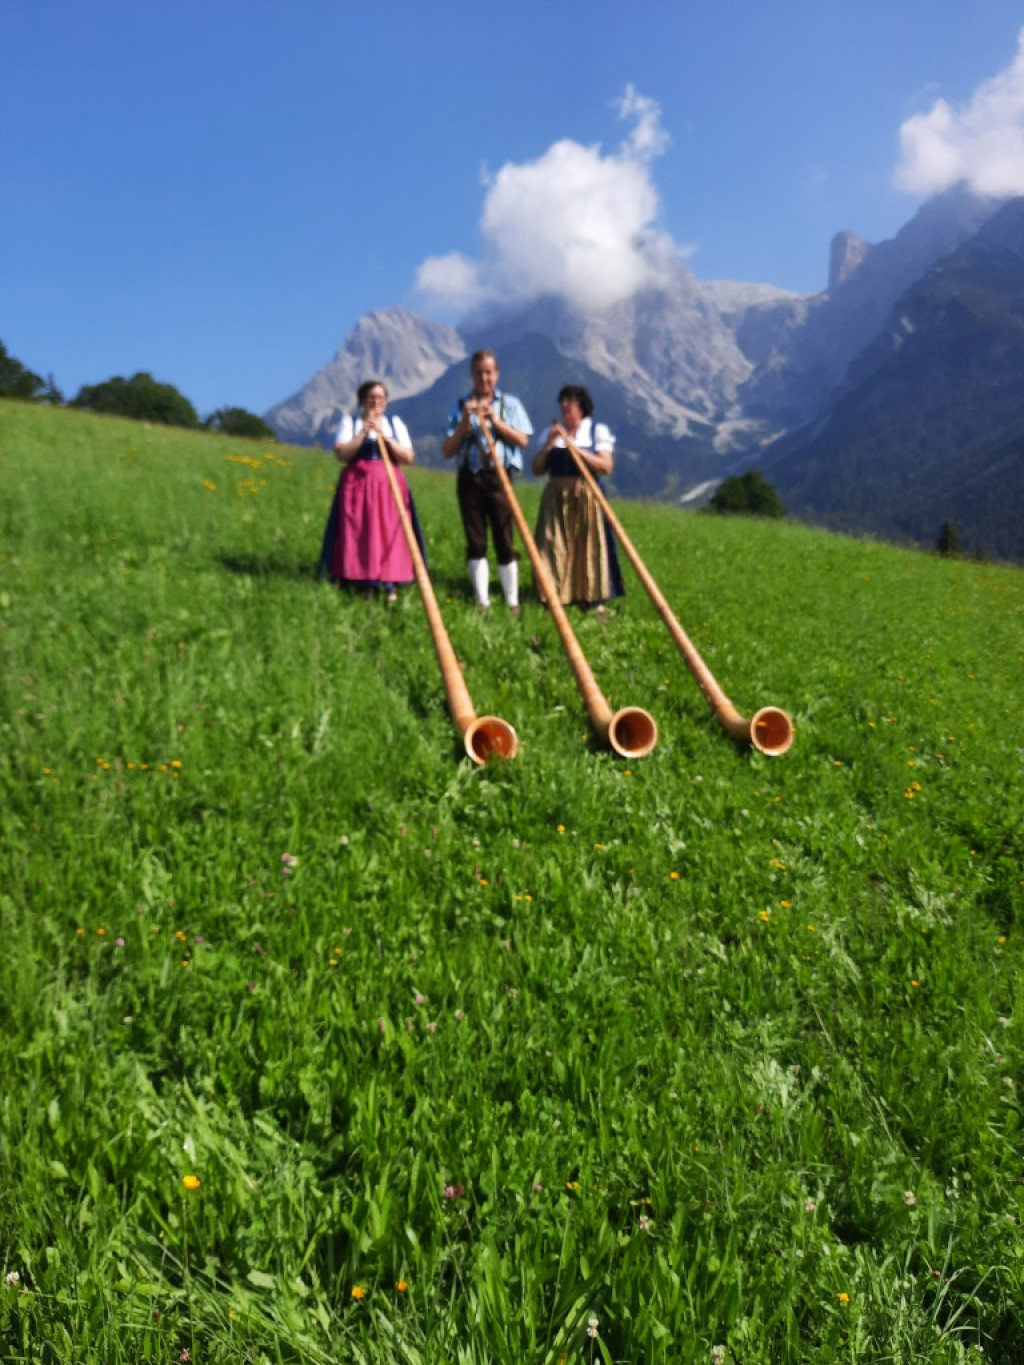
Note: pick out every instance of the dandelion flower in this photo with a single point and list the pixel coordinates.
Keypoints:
(358, 1292)
(843, 1298)
(191, 1182)
(401, 1286)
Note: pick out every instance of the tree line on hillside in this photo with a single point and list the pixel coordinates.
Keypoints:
(141, 398)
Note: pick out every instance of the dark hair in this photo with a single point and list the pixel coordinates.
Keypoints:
(477, 356)
(367, 387)
(578, 392)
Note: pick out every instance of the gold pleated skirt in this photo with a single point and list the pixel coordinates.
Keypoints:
(571, 536)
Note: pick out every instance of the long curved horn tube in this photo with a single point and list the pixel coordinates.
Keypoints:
(630, 731)
(770, 730)
(484, 736)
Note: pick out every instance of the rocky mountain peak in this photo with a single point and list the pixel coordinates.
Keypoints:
(403, 350)
(845, 255)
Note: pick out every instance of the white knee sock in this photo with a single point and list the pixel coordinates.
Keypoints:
(479, 576)
(509, 576)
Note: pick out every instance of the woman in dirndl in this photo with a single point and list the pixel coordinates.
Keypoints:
(364, 547)
(572, 534)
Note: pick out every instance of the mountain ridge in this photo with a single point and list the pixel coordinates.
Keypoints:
(699, 379)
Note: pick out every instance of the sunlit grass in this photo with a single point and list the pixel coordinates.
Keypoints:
(321, 1044)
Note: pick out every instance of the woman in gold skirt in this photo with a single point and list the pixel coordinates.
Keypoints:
(577, 543)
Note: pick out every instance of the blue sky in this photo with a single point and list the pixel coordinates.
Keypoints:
(217, 191)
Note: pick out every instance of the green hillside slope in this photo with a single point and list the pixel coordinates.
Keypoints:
(321, 1044)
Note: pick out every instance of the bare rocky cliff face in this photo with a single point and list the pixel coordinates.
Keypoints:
(865, 283)
(927, 426)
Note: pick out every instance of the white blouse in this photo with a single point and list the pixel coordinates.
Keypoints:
(590, 435)
(394, 428)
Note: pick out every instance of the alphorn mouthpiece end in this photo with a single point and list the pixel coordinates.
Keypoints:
(771, 731)
(632, 732)
(491, 737)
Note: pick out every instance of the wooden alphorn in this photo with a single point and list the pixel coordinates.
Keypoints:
(770, 730)
(484, 736)
(630, 731)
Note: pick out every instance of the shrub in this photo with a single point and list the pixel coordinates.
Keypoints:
(748, 494)
(238, 422)
(16, 381)
(142, 397)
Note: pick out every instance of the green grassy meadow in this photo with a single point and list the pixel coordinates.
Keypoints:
(321, 1044)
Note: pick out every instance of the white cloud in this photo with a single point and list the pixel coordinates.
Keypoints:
(981, 144)
(452, 280)
(576, 223)
(648, 138)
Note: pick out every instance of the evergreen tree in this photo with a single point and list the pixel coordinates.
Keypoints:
(948, 540)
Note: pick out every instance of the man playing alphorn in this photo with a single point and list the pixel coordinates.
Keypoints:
(482, 501)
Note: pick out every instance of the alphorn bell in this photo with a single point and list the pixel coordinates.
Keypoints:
(770, 730)
(484, 736)
(630, 731)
